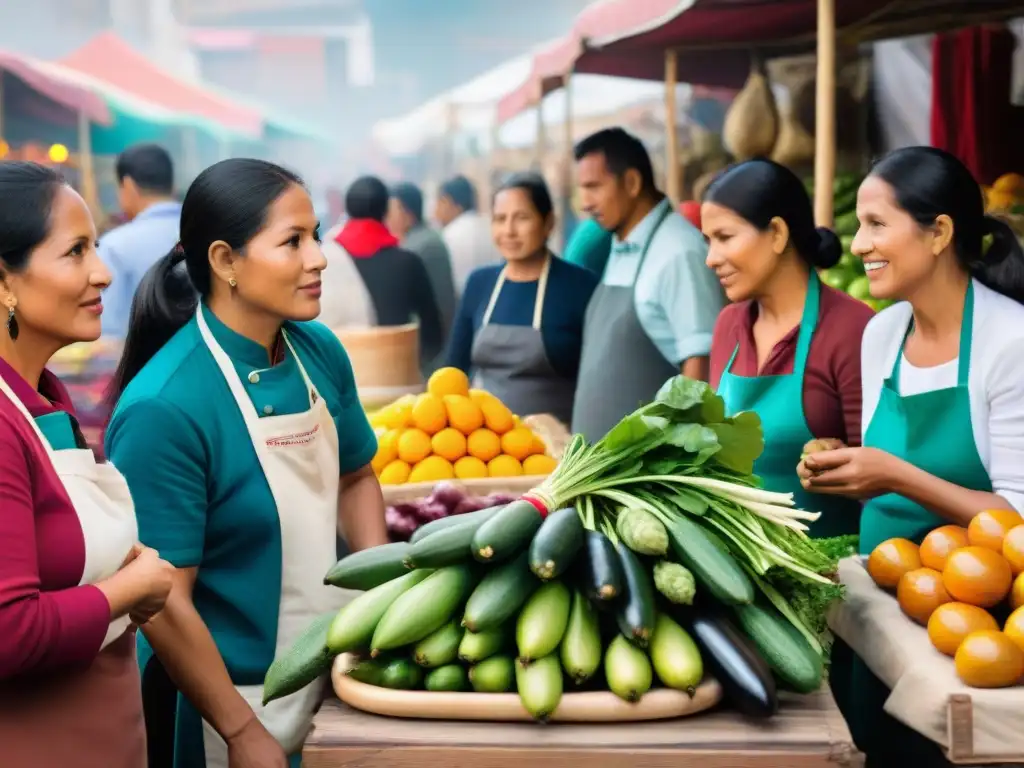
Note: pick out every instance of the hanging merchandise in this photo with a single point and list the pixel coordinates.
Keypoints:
(752, 122)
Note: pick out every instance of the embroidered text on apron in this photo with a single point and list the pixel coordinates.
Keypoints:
(299, 457)
(511, 362)
(779, 401)
(345, 302)
(620, 367)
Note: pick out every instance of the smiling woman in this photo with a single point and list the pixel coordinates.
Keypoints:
(239, 430)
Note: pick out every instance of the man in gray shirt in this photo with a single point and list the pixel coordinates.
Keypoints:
(405, 220)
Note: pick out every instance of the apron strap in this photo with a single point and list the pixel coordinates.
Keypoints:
(538, 304)
(732, 358)
(6, 389)
(808, 324)
(966, 337)
(650, 237)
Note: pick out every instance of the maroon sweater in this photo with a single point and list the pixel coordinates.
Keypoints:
(832, 387)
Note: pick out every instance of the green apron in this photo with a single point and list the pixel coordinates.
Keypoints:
(932, 431)
(778, 400)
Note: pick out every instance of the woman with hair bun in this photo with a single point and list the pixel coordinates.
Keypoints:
(240, 432)
(789, 346)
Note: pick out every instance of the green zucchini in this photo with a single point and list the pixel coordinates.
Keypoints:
(603, 576)
(506, 534)
(368, 671)
(636, 613)
(581, 646)
(440, 647)
(493, 675)
(715, 569)
(498, 597)
(542, 622)
(436, 526)
(352, 629)
(307, 659)
(627, 670)
(450, 677)
(556, 543)
(477, 646)
(401, 674)
(449, 546)
(788, 654)
(540, 686)
(369, 568)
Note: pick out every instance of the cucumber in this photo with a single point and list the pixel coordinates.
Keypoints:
(787, 653)
(500, 595)
(493, 675)
(541, 624)
(369, 568)
(401, 674)
(540, 686)
(477, 646)
(352, 629)
(440, 647)
(627, 670)
(675, 656)
(368, 671)
(636, 614)
(423, 608)
(435, 526)
(556, 543)
(581, 645)
(507, 533)
(307, 659)
(450, 677)
(449, 546)
(604, 579)
(716, 570)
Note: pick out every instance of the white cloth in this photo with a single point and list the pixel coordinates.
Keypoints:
(470, 246)
(995, 383)
(299, 456)
(344, 301)
(103, 503)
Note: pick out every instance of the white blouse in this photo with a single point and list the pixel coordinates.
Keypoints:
(995, 382)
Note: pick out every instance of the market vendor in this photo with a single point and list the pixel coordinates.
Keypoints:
(519, 326)
(652, 315)
(240, 434)
(788, 347)
(943, 383)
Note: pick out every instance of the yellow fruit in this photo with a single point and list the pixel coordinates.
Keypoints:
(1013, 183)
(449, 444)
(504, 466)
(429, 414)
(497, 416)
(470, 467)
(479, 395)
(483, 444)
(517, 443)
(413, 446)
(463, 414)
(448, 381)
(1017, 592)
(539, 464)
(395, 473)
(387, 450)
(432, 469)
(538, 445)
(989, 659)
(1014, 627)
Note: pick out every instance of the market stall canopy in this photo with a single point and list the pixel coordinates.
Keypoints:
(58, 86)
(713, 38)
(107, 57)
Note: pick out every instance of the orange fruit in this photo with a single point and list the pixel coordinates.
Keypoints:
(463, 414)
(395, 473)
(989, 527)
(448, 381)
(504, 466)
(518, 443)
(429, 414)
(497, 416)
(989, 659)
(978, 576)
(1013, 549)
(449, 444)
(483, 444)
(950, 623)
(431, 470)
(1014, 627)
(539, 464)
(469, 468)
(937, 545)
(1017, 592)
(413, 446)
(891, 559)
(920, 592)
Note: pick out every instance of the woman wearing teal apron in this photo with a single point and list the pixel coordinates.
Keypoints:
(239, 430)
(943, 376)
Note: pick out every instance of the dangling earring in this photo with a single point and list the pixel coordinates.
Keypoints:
(12, 323)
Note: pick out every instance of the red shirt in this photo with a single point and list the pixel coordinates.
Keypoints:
(832, 388)
(47, 621)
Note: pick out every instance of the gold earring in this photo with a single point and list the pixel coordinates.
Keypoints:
(232, 282)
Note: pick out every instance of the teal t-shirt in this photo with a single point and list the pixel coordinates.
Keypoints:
(200, 494)
(589, 246)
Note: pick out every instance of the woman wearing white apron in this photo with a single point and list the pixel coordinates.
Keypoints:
(71, 571)
(243, 441)
(519, 325)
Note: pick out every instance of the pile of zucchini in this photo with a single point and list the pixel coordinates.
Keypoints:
(506, 599)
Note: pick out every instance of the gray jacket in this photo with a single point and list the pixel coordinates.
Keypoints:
(430, 247)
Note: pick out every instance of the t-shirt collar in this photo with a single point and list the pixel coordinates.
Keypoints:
(161, 209)
(635, 240)
(237, 346)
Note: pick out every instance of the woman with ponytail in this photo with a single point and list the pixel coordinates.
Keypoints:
(789, 346)
(238, 427)
(943, 374)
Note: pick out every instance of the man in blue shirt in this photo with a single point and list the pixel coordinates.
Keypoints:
(145, 191)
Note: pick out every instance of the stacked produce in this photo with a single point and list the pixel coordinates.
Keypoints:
(637, 551)
(404, 518)
(1006, 195)
(959, 583)
(452, 431)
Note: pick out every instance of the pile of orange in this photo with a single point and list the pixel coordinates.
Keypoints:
(452, 431)
(954, 583)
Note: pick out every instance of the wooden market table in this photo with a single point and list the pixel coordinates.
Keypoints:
(808, 732)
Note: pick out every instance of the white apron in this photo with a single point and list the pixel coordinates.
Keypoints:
(103, 504)
(299, 456)
(346, 302)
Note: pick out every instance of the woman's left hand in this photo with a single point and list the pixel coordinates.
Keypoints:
(859, 473)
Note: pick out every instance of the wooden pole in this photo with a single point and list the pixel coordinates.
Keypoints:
(542, 135)
(825, 115)
(568, 160)
(671, 135)
(86, 168)
(1, 104)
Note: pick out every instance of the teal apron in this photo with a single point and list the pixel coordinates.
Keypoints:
(778, 400)
(932, 431)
